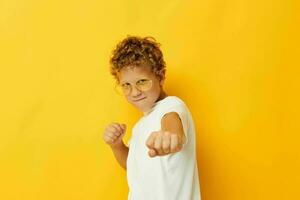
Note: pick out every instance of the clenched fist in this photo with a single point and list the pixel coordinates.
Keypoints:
(114, 133)
(161, 143)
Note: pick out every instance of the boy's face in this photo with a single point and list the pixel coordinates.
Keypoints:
(142, 100)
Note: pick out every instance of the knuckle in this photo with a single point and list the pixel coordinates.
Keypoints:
(116, 134)
(167, 133)
(107, 141)
(109, 133)
(173, 149)
(114, 128)
(166, 149)
(110, 129)
(148, 144)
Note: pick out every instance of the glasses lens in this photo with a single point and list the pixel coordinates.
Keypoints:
(126, 88)
(144, 84)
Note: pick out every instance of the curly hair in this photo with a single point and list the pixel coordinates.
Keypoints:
(135, 51)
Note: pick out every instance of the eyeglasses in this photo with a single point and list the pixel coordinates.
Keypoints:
(142, 85)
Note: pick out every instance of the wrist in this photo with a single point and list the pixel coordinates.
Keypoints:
(117, 145)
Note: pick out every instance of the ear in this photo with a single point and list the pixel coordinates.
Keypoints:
(162, 76)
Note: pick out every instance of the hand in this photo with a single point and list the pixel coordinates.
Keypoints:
(161, 143)
(114, 133)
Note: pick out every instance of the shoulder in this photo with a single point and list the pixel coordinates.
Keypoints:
(173, 102)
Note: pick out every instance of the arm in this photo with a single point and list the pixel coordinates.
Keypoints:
(171, 122)
(121, 154)
(169, 139)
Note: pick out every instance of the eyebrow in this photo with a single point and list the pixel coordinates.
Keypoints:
(136, 81)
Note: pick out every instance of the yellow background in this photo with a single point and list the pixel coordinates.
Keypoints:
(234, 63)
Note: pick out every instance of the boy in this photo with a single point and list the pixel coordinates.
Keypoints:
(160, 159)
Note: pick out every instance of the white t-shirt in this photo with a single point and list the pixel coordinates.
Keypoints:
(169, 177)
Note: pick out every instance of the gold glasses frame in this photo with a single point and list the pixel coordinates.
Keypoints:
(143, 84)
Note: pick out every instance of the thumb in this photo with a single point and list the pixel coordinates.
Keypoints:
(123, 127)
(152, 153)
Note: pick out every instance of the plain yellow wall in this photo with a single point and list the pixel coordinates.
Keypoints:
(234, 63)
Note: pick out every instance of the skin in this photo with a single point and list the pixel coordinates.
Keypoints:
(171, 136)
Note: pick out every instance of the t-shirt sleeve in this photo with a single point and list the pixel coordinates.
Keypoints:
(182, 112)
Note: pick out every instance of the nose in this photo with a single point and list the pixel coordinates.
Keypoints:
(135, 91)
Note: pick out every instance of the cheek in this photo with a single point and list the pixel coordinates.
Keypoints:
(155, 90)
(152, 95)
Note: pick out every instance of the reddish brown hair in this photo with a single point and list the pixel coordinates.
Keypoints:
(135, 51)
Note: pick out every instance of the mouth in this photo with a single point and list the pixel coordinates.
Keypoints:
(139, 99)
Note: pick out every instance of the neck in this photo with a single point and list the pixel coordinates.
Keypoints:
(162, 95)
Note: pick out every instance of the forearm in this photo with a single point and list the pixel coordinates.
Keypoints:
(121, 154)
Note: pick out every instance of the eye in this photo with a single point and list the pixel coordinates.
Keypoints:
(142, 81)
(125, 85)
